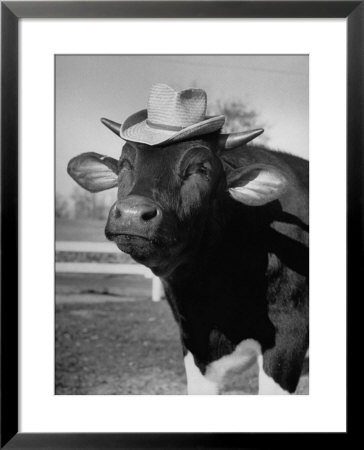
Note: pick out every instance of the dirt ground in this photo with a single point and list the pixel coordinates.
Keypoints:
(112, 339)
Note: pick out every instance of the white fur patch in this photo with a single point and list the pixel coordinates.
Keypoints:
(243, 357)
(217, 374)
(198, 384)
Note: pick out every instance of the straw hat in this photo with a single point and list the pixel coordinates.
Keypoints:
(170, 116)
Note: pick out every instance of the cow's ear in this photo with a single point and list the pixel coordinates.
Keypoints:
(257, 184)
(94, 172)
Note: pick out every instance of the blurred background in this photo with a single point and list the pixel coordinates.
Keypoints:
(111, 337)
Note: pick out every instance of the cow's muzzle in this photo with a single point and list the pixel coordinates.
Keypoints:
(134, 216)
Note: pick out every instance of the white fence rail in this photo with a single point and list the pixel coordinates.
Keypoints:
(92, 247)
(103, 268)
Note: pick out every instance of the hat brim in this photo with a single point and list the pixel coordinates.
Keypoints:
(136, 129)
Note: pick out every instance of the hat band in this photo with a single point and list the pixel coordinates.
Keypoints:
(163, 127)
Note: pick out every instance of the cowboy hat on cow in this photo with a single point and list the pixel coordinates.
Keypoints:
(173, 116)
(170, 116)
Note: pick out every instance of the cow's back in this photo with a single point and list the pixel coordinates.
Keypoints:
(250, 281)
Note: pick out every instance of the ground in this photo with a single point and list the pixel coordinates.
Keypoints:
(106, 344)
(89, 230)
(112, 339)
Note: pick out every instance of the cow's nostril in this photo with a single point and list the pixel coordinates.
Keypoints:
(117, 213)
(149, 214)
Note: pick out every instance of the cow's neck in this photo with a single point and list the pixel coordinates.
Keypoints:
(233, 240)
(217, 280)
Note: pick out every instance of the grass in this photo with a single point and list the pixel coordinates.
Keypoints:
(89, 230)
(128, 347)
(112, 339)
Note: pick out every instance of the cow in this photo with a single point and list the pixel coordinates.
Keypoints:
(224, 224)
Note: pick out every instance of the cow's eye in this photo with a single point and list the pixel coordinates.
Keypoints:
(202, 169)
(125, 164)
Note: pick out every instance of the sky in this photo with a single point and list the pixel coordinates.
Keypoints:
(88, 87)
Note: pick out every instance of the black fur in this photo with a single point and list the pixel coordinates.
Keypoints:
(230, 271)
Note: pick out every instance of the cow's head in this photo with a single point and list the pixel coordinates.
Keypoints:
(168, 194)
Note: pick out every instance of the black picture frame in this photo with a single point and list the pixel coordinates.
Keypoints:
(11, 13)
